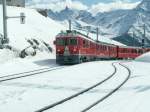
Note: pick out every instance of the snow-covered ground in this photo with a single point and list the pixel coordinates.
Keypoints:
(32, 93)
(29, 94)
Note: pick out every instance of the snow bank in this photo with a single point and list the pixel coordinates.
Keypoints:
(36, 26)
(144, 58)
(6, 55)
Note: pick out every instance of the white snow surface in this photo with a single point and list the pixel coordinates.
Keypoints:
(36, 26)
(32, 93)
(29, 94)
(144, 58)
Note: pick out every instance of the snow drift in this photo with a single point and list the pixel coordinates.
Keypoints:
(36, 26)
(144, 58)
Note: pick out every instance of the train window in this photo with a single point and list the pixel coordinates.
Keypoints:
(124, 50)
(60, 42)
(85, 43)
(73, 41)
(92, 45)
(134, 50)
(140, 51)
(121, 50)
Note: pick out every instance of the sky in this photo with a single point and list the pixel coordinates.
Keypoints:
(91, 2)
(93, 6)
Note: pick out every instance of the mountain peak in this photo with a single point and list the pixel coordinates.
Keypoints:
(145, 4)
(67, 8)
(145, 0)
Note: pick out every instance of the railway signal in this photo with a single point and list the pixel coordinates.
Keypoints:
(22, 18)
(5, 17)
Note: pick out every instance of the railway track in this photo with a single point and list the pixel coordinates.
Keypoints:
(79, 93)
(88, 89)
(111, 92)
(28, 73)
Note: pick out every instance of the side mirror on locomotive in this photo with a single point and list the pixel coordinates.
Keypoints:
(54, 42)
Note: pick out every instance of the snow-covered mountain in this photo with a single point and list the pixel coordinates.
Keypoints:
(117, 23)
(142, 17)
(37, 34)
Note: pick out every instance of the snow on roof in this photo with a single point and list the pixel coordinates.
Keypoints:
(75, 34)
(144, 58)
(91, 37)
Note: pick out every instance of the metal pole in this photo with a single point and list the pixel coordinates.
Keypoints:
(97, 32)
(5, 21)
(143, 40)
(133, 38)
(69, 24)
(144, 34)
(144, 31)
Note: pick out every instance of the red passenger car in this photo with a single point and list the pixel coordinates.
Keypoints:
(72, 47)
(129, 52)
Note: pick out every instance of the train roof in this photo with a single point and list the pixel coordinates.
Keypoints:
(75, 33)
(130, 47)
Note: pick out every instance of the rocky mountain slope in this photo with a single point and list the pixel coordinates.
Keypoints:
(122, 25)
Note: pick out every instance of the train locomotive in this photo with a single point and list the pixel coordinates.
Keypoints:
(73, 47)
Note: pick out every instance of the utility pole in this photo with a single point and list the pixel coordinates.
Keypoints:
(144, 36)
(97, 32)
(133, 38)
(5, 39)
(70, 24)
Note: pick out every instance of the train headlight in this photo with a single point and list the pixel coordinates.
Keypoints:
(58, 50)
(74, 50)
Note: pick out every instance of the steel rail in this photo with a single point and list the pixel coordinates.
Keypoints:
(30, 73)
(79, 93)
(23, 72)
(110, 93)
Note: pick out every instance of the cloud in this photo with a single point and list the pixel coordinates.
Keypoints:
(56, 5)
(106, 7)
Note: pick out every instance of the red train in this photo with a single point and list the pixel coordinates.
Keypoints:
(72, 47)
